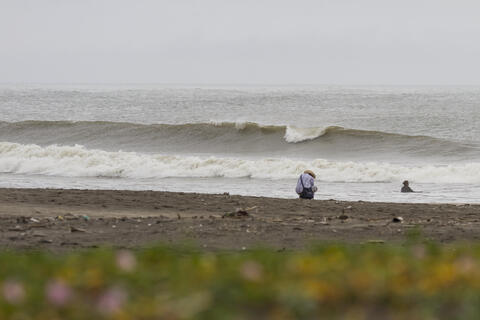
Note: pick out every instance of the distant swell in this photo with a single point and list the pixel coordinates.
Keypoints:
(78, 161)
(246, 138)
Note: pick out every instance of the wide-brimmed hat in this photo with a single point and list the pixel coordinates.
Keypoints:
(310, 172)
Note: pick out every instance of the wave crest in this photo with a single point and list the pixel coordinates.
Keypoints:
(244, 138)
(294, 134)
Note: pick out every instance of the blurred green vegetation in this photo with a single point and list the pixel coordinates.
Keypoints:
(330, 281)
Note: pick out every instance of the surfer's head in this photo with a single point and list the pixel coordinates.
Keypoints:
(405, 183)
(310, 172)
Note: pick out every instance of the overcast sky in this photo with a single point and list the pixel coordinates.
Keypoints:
(241, 41)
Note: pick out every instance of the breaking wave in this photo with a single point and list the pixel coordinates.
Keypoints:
(291, 134)
(223, 138)
(78, 161)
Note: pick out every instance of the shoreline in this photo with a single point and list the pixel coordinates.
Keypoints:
(69, 219)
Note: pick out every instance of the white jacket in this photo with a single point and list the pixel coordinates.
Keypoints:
(308, 182)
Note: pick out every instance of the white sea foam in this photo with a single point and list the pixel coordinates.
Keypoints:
(77, 161)
(294, 134)
(239, 125)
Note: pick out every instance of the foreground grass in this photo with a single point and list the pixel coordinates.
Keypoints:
(414, 281)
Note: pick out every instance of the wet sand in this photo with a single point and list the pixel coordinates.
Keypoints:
(60, 220)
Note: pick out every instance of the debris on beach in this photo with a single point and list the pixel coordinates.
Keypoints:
(397, 220)
(349, 208)
(38, 234)
(324, 221)
(22, 220)
(239, 213)
(70, 216)
(75, 229)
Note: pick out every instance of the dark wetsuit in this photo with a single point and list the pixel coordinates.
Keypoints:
(406, 189)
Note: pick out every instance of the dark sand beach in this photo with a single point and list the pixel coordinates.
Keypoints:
(62, 220)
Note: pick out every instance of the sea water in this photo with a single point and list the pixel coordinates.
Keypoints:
(362, 142)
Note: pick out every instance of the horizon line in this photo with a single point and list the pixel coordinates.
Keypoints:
(246, 84)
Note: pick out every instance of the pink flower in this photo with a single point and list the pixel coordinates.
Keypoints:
(13, 291)
(126, 260)
(465, 264)
(251, 271)
(112, 300)
(58, 293)
(419, 251)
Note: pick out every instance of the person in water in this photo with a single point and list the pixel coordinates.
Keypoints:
(306, 185)
(406, 188)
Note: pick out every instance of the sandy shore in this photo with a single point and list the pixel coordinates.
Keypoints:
(59, 220)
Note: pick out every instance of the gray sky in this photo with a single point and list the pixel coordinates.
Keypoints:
(241, 41)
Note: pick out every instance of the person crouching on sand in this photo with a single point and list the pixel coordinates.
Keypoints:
(406, 187)
(305, 185)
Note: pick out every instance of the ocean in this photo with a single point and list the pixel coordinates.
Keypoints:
(362, 142)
